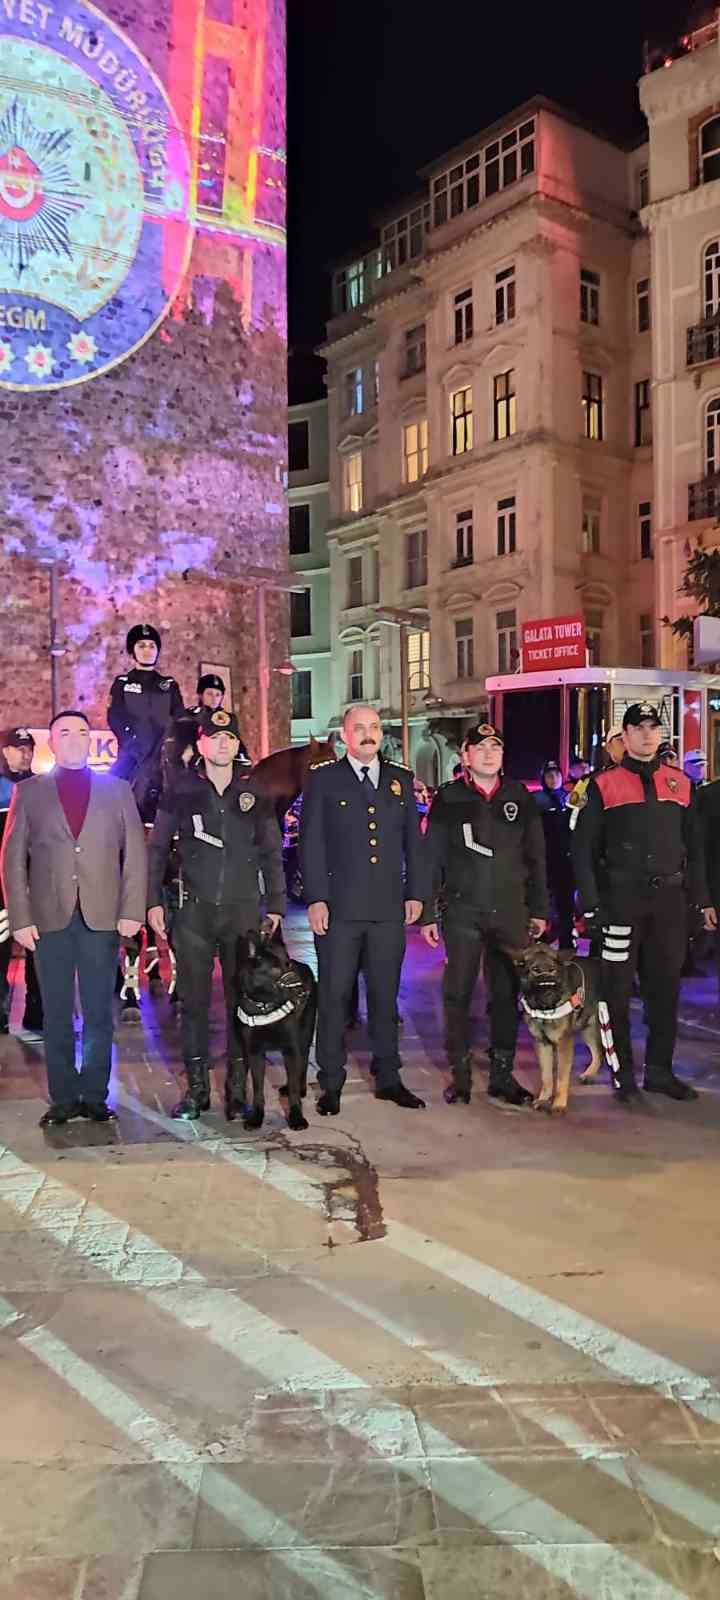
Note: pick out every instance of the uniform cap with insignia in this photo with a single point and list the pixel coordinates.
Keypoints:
(210, 680)
(16, 739)
(642, 711)
(211, 723)
(142, 630)
(481, 732)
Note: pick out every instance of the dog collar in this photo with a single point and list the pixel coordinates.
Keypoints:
(262, 1019)
(573, 1004)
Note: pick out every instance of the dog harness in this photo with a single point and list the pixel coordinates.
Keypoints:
(575, 1003)
(270, 1011)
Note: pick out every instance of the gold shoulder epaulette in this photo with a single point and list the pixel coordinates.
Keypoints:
(400, 764)
(329, 763)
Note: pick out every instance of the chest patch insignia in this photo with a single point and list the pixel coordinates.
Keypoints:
(673, 785)
(396, 786)
(205, 838)
(510, 810)
(165, 684)
(246, 801)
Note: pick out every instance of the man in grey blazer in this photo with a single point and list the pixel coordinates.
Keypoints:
(74, 872)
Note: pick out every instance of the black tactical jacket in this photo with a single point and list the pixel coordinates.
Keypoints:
(223, 842)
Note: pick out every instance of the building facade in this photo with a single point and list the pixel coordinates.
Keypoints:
(308, 505)
(490, 423)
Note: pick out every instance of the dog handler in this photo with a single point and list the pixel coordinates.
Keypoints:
(225, 836)
(487, 852)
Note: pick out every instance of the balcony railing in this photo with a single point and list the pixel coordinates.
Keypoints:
(703, 341)
(704, 498)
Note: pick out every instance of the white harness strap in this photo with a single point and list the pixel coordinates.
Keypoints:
(263, 1019)
(549, 1016)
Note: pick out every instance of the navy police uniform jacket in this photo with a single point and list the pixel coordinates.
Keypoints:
(223, 841)
(142, 706)
(361, 850)
(638, 830)
(487, 856)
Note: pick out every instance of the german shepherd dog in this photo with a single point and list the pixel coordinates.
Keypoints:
(276, 1009)
(559, 997)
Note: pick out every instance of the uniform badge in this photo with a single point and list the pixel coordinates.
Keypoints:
(165, 684)
(247, 800)
(220, 719)
(510, 809)
(673, 785)
(396, 786)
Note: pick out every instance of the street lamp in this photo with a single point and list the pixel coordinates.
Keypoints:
(57, 646)
(407, 621)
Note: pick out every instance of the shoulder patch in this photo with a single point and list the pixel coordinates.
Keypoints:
(399, 764)
(315, 764)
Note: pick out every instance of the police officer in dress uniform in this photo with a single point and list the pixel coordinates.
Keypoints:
(361, 855)
(224, 835)
(487, 863)
(638, 858)
(143, 705)
(17, 748)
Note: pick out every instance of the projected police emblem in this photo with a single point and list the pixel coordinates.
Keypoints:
(94, 197)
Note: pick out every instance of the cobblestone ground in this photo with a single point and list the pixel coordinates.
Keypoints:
(402, 1356)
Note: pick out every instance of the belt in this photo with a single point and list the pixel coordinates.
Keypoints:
(671, 880)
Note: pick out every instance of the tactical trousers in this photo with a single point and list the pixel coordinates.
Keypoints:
(201, 931)
(378, 948)
(649, 930)
(467, 938)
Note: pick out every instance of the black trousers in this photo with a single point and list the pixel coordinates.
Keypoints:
(377, 947)
(92, 956)
(33, 1014)
(467, 937)
(201, 931)
(649, 929)
(562, 896)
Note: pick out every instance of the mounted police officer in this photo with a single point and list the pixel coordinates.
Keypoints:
(638, 859)
(225, 835)
(361, 855)
(143, 705)
(487, 866)
(17, 748)
(210, 691)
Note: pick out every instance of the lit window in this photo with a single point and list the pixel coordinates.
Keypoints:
(644, 514)
(416, 559)
(589, 296)
(504, 295)
(712, 437)
(642, 304)
(465, 647)
(352, 286)
(355, 675)
(643, 413)
(504, 405)
(647, 641)
(463, 538)
(403, 239)
(484, 173)
(506, 633)
(352, 482)
(461, 421)
(418, 660)
(711, 279)
(299, 530)
(592, 405)
(301, 692)
(298, 446)
(353, 392)
(710, 150)
(354, 582)
(591, 524)
(415, 451)
(300, 618)
(593, 637)
(463, 316)
(506, 526)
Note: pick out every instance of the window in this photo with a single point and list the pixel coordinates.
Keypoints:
(300, 620)
(376, 382)
(416, 559)
(710, 150)
(355, 675)
(461, 419)
(592, 404)
(506, 513)
(299, 530)
(711, 279)
(591, 524)
(504, 295)
(418, 659)
(484, 173)
(354, 581)
(643, 187)
(644, 512)
(504, 409)
(642, 303)
(506, 630)
(353, 392)
(589, 296)
(712, 437)
(463, 538)
(414, 350)
(593, 637)
(352, 482)
(298, 446)
(463, 313)
(415, 451)
(352, 285)
(301, 694)
(374, 576)
(643, 413)
(465, 647)
(404, 239)
(647, 642)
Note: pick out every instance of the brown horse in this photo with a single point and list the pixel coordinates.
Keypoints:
(282, 775)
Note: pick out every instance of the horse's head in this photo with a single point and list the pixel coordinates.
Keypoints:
(321, 749)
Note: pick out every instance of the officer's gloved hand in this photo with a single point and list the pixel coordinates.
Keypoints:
(591, 919)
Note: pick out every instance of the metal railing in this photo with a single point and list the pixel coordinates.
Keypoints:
(704, 498)
(703, 341)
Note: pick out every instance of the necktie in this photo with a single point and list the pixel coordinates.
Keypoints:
(365, 780)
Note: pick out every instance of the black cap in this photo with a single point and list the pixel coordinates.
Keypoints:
(142, 630)
(550, 766)
(210, 680)
(667, 748)
(17, 738)
(482, 731)
(212, 723)
(641, 712)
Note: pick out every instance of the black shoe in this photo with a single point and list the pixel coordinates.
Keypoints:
(33, 1023)
(130, 1008)
(461, 1086)
(96, 1111)
(663, 1081)
(329, 1103)
(400, 1096)
(197, 1095)
(56, 1115)
(502, 1085)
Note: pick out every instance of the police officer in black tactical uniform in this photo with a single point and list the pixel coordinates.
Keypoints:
(17, 748)
(225, 835)
(551, 800)
(143, 704)
(487, 869)
(361, 855)
(210, 693)
(638, 859)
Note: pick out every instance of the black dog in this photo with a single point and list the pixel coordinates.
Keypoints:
(277, 1005)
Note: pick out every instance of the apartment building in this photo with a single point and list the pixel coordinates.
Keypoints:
(312, 704)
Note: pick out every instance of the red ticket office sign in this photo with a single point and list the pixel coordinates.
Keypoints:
(553, 642)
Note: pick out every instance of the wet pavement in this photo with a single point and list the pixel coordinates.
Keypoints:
(433, 1355)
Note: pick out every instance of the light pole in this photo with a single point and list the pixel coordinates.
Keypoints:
(57, 646)
(407, 622)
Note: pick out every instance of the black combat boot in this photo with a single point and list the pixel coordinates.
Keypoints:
(235, 1086)
(461, 1086)
(662, 1080)
(197, 1095)
(502, 1085)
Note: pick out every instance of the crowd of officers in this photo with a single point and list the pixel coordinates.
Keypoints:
(626, 847)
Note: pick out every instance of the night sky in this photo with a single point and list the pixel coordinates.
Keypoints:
(374, 93)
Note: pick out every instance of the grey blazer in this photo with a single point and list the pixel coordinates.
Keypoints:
(45, 871)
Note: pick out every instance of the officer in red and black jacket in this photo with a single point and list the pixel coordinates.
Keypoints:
(638, 860)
